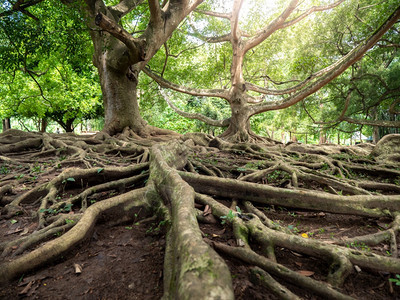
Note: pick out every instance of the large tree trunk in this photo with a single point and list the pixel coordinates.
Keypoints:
(239, 127)
(120, 99)
(119, 57)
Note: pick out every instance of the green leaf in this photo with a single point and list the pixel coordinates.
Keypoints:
(100, 170)
(71, 179)
(13, 221)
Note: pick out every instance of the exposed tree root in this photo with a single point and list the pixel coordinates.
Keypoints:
(77, 234)
(194, 269)
(203, 179)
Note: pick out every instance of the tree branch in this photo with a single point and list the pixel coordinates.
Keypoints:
(124, 7)
(309, 12)
(379, 123)
(220, 93)
(213, 14)
(121, 34)
(200, 117)
(271, 28)
(392, 107)
(235, 19)
(334, 70)
(216, 39)
(155, 11)
(22, 8)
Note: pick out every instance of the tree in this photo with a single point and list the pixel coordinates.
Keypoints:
(240, 96)
(46, 70)
(366, 95)
(119, 56)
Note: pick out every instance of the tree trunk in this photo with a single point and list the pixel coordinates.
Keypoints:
(322, 136)
(239, 126)
(6, 124)
(121, 107)
(43, 125)
(69, 125)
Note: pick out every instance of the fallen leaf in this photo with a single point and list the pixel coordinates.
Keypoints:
(297, 254)
(12, 231)
(298, 263)
(78, 269)
(221, 232)
(207, 210)
(240, 242)
(358, 269)
(306, 273)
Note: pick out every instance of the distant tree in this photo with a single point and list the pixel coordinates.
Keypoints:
(46, 71)
(310, 64)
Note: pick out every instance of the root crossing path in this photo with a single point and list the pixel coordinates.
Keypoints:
(240, 221)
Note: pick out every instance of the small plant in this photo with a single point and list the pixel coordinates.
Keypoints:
(33, 178)
(36, 169)
(395, 280)
(66, 208)
(20, 176)
(359, 246)
(388, 253)
(69, 179)
(292, 214)
(158, 228)
(69, 221)
(4, 170)
(321, 230)
(293, 229)
(228, 218)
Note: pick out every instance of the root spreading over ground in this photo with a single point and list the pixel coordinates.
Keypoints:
(239, 221)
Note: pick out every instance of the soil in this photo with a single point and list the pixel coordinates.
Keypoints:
(126, 261)
(119, 262)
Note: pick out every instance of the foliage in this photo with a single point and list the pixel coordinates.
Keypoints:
(46, 69)
(395, 280)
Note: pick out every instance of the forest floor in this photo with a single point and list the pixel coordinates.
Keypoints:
(125, 260)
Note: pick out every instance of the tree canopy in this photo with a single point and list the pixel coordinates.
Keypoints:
(46, 69)
(290, 61)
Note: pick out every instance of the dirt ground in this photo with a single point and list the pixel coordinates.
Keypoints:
(120, 262)
(126, 261)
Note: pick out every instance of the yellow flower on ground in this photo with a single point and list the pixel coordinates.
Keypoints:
(305, 235)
